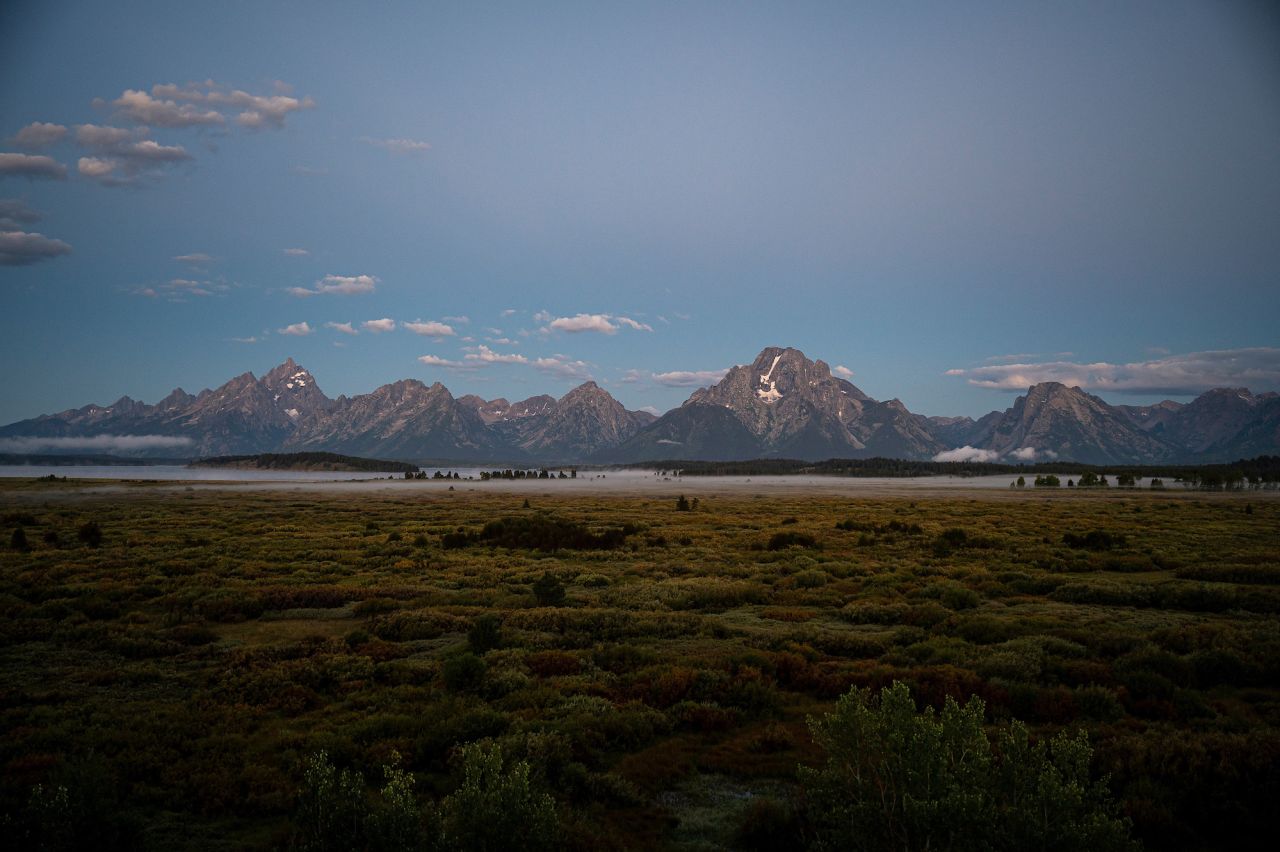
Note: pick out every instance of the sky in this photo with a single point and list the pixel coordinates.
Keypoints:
(946, 202)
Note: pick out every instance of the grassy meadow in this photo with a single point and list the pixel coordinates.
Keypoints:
(170, 659)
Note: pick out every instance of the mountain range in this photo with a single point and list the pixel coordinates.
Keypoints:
(781, 405)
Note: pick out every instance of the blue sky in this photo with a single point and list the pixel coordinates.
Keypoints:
(947, 200)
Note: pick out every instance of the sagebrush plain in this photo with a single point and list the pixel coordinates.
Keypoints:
(174, 657)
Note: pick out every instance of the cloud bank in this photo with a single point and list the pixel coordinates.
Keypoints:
(689, 378)
(1257, 368)
(102, 442)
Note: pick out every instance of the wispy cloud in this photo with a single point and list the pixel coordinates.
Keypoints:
(296, 252)
(461, 320)
(379, 326)
(344, 327)
(195, 258)
(39, 134)
(298, 329)
(346, 285)
(1179, 375)
(398, 146)
(31, 166)
(430, 328)
(19, 248)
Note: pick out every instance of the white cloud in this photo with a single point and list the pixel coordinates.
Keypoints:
(138, 106)
(398, 146)
(437, 361)
(379, 326)
(168, 105)
(690, 378)
(430, 328)
(1181, 375)
(562, 367)
(101, 136)
(244, 340)
(502, 341)
(198, 258)
(583, 322)
(579, 323)
(345, 285)
(39, 134)
(31, 166)
(842, 371)
(296, 252)
(459, 320)
(485, 355)
(128, 152)
(344, 327)
(652, 409)
(298, 329)
(508, 312)
(20, 248)
(1030, 454)
(94, 442)
(967, 454)
(97, 167)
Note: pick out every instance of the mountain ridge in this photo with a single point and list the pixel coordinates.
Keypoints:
(780, 405)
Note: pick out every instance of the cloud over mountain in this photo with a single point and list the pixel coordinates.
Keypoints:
(1182, 375)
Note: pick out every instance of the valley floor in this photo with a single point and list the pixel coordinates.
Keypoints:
(175, 652)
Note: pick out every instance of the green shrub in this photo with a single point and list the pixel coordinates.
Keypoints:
(790, 538)
(463, 673)
(1093, 540)
(897, 777)
(485, 633)
(90, 533)
(497, 808)
(548, 590)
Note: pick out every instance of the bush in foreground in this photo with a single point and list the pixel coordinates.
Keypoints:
(901, 778)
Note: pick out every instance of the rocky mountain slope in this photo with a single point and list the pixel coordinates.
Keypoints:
(782, 405)
(1054, 421)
